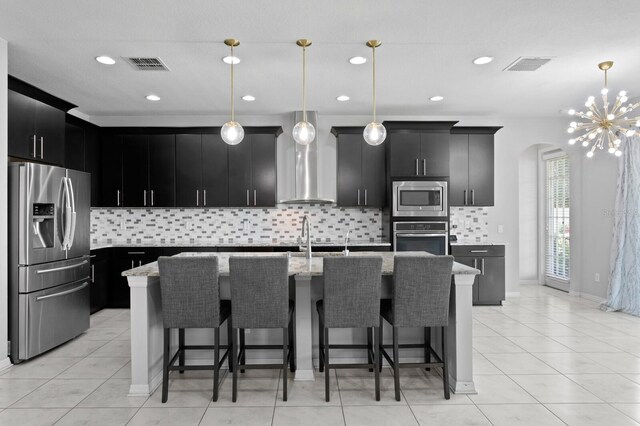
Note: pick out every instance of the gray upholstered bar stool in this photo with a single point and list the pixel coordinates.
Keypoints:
(190, 295)
(351, 300)
(421, 287)
(260, 299)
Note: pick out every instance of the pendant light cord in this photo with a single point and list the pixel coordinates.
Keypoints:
(605, 79)
(304, 83)
(232, 93)
(374, 84)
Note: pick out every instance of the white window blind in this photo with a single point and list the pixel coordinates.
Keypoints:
(558, 247)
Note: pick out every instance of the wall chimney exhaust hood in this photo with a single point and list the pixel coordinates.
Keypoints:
(306, 173)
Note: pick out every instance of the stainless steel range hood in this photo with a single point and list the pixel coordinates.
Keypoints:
(306, 173)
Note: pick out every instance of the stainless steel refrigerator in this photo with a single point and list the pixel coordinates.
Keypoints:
(49, 267)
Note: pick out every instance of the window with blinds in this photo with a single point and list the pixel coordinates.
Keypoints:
(558, 230)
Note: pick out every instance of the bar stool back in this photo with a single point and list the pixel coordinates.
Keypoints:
(190, 297)
(260, 299)
(351, 300)
(421, 290)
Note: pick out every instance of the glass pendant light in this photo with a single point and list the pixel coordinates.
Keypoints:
(303, 131)
(374, 133)
(232, 132)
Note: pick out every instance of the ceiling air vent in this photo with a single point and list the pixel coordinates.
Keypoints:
(147, 64)
(527, 64)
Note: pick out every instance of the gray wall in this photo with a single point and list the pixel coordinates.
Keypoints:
(4, 361)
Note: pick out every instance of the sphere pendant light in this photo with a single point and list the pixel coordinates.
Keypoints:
(374, 133)
(232, 132)
(303, 131)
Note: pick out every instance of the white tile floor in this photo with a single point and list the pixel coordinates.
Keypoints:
(544, 358)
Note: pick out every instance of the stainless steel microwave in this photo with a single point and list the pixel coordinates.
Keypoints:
(420, 198)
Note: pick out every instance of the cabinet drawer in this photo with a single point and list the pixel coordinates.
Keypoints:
(477, 250)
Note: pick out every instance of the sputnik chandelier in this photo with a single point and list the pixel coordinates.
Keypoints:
(604, 125)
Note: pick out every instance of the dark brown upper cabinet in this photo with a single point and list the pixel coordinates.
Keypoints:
(471, 181)
(360, 169)
(252, 168)
(418, 149)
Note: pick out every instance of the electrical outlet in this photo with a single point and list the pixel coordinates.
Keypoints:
(597, 277)
(122, 225)
(245, 225)
(500, 229)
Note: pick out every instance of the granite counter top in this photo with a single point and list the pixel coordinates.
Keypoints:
(248, 243)
(298, 264)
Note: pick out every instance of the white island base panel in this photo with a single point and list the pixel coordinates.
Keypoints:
(147, 332)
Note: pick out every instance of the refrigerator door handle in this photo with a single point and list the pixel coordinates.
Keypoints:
(62, 293)
(72, 232)
(62, 268)
(66, 201)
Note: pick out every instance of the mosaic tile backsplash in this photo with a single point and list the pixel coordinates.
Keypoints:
(470, 223)
(232, 225)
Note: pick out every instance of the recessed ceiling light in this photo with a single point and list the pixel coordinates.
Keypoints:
(106, 60)
(248, 98)
(436, 98)
(343, 98)
(483, 60)
(153, 98)
(229, 59)
(357, 60)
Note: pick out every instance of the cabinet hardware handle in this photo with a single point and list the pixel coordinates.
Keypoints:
(197, 198)
(93, 275)
(365, 197)
(204, 197)
(35, 149)
(358, 196)
(482, 266)
(41, 147)
(254, 198)
(144, 197)
(139, 262)
(135, 252)
(118, 196)
(417, 168)
(464, 196)
(473, 197)
(152, 203)
(475, 263)
(247, 197)
(479, 251)
(424, 166)
(132, 264)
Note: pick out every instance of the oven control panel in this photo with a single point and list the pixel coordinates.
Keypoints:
(421, 226)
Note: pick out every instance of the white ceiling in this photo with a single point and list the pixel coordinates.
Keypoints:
(427, 50)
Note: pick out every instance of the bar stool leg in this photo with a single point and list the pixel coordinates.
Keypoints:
(320, 344)
(380, 343)
(370, 347)
(216, 362)
(229, 332)
(326, 363)
(165, 365)
(427, 346)
(396, 364)
(292, 341)
(285, 352)
(376, 357)
(234, 345)
(181, 348)
(445, 365)
(243, 354)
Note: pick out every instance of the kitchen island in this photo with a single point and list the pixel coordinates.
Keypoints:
(306, 283)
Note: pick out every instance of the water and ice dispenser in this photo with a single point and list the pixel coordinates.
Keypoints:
(43, 225)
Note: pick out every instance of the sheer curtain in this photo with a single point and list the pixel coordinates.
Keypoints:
(624, 278)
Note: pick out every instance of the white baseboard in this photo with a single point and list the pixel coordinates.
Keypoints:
(587, 296)
(5, 363)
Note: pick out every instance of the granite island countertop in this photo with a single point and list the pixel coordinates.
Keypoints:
(237, 243)
(298, 264)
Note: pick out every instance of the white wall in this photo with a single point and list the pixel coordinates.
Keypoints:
(528, 214)
(4, 336)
